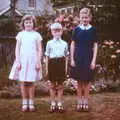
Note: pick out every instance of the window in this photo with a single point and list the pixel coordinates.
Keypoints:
(31, 3)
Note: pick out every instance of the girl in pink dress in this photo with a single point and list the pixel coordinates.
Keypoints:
(27, 64)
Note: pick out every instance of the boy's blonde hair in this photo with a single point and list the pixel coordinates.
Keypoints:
(86, 10)
(27, 17)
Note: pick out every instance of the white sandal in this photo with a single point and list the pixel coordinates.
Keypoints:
(24, 108)
(31, 107)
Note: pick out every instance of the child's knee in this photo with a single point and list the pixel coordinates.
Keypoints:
(52, 86)
(60, 87)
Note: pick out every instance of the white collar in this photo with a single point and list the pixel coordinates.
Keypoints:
(57, 40)
(85, 27)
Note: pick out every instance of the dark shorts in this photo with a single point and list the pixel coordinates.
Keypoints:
(56, 70)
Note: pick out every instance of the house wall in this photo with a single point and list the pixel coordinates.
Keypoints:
(4, 4)
(42, 7)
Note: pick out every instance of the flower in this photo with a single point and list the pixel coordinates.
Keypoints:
(117, 51)
(103, 46)
(111, 47)
(113, 56)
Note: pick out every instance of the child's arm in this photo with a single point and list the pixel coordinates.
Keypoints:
(72, 49)
(66, 64)
(39, 54)
(17, 54)
(47, 54)
(95, 50)
(46, 65)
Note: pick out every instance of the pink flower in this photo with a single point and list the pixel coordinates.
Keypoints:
(111, 42)
(113, 56)
(103, 46)
(117, 51)
(111, 47)
(106, 42)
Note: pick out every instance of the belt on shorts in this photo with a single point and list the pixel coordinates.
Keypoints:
(57, 59)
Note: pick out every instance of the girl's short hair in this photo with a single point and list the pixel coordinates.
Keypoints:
(86, 10)
(27, 17)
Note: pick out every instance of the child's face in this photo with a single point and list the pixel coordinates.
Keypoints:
(28, 25)
(57, 33)
(85, 19)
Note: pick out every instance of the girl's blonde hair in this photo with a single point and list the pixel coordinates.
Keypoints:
(86, 10)
(27, 17)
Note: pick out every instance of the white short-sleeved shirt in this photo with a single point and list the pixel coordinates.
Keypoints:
(56, 48)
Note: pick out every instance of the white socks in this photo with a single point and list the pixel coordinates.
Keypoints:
(59, 103)
(85, 102)
(31, 104)
(27, 102)
(80, 101)
(24, 103)
(53, 103)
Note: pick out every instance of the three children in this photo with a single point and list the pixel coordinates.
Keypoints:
(27, 65)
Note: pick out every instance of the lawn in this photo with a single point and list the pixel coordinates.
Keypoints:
(104, 106)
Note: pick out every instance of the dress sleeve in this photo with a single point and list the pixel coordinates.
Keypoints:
(18, 36)
(39, 37)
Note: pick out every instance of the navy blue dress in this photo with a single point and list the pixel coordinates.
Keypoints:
(83, 54)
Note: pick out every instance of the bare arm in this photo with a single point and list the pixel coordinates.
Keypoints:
(39, 54)
(66, 64)
(46, 65)
(17, 51)
(72, 49)
(95, 50)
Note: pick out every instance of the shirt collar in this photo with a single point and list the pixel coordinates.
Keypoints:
(57, 40)
(85, 27)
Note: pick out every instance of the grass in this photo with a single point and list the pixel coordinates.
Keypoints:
(105, 106)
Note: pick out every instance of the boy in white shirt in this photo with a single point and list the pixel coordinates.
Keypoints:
(56, 66)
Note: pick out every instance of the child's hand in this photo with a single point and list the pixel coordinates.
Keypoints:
(92, 66)
(72, 63)
(37, 67)
(19, 66)
(46, 73)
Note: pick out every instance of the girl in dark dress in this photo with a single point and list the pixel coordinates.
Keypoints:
(83, 52)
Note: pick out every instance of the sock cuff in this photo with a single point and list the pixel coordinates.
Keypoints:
(24, 101)
(53, 103)
(31, 101)
(80, 101)
(60, 103)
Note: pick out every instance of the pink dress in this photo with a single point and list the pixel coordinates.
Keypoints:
(28, 58)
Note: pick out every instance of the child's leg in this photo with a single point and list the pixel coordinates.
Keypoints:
(87, 90)
(86, 94)
(31, 93)
(60, 89)
(24, 95)
(79, 96)
(52, 91)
